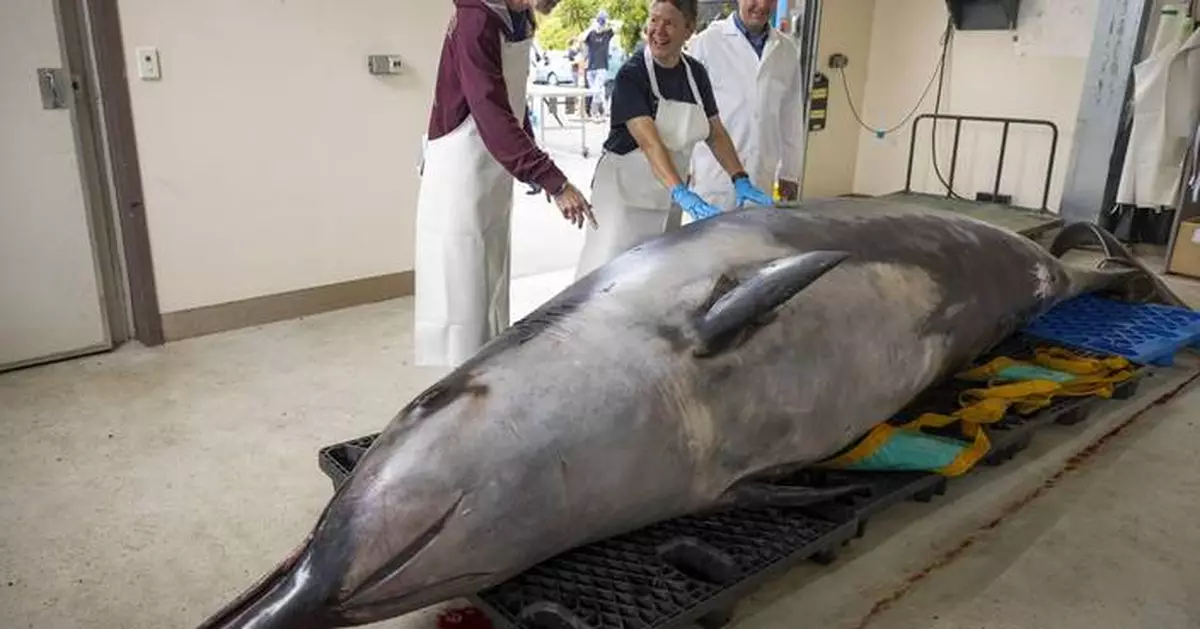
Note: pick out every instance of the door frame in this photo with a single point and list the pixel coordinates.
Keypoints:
(93, 49)
(80, 110)
(86, 139)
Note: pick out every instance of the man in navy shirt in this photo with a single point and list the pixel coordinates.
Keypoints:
(597, 42)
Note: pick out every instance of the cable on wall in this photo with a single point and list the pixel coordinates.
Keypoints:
(938, 69)
(938, 76)
(947, 40)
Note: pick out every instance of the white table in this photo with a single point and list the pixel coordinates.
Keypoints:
(538, 94)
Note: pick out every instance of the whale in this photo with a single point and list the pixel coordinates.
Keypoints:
(681, 377)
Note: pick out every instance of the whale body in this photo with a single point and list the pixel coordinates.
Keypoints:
(680, 377)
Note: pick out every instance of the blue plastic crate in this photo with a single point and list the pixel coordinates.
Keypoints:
(1143, 333)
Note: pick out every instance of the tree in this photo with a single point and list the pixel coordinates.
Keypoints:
(568, 20)
(572, 17)
(552, 34)
(633, 15)
(576, 15)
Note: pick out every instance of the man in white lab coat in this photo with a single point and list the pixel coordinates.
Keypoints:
(755, 71)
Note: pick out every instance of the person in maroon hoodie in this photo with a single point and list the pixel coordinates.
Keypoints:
(479, 140)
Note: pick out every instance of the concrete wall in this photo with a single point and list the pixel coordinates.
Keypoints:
(1036, 72)
(272, 161)
(832, 154)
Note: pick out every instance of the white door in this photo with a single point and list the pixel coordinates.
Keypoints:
(50, 298)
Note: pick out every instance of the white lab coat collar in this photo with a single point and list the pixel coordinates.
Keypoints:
(729, 28)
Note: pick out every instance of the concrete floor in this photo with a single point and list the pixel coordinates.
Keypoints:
(1106, 547)
(144, 487)
(1062, 537)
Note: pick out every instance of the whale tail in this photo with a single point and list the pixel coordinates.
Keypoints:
(1119, 271)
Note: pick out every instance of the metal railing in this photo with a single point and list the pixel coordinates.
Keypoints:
(1007, 124)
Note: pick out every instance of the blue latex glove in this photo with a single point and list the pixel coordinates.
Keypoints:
(746, 192)
(691, 203)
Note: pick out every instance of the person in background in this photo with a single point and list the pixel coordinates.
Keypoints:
(479, 140)
(616, 57)
(578, 74)
(662, 107)
(757, 80)
(534, 188)
(597, 42)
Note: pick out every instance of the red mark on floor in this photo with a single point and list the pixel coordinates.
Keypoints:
(463, 618)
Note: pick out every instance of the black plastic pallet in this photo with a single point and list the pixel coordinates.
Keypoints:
(887, 490)
(679, 571)
(692, 569)
(338, 460)
(695, 569)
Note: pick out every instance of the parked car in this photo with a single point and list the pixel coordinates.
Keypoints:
(552, 67)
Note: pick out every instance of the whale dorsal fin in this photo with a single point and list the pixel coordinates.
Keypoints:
(736, 306)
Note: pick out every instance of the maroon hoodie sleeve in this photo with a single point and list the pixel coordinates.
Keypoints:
(477, 40)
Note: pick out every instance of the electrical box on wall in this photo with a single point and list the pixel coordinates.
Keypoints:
(984, 15)
(384, 64)
(148, 67)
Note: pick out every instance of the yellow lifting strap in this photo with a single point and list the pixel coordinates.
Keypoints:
(866, 446)
(991, 403)
(1063, 360)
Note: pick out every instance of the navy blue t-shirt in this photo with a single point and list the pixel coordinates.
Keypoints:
(597, 48)
(632, 96)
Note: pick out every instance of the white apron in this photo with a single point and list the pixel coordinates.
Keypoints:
(630, 204)
(463, 235)
(1166, 104)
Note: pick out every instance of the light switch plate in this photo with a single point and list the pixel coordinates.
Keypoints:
(148, 66)
(384, 64)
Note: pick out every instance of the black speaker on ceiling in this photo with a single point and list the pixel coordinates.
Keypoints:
(983, 15)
